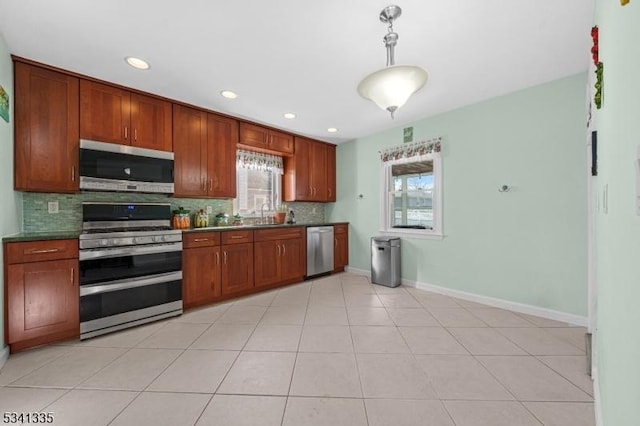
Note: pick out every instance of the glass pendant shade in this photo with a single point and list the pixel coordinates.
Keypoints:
(391, 87)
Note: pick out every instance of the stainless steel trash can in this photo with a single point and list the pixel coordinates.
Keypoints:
(385, 261)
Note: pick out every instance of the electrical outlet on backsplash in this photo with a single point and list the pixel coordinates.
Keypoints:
(36, 217)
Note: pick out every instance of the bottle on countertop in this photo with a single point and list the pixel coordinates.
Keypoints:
(291, 219)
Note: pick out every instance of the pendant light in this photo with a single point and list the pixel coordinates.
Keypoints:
(391, 87)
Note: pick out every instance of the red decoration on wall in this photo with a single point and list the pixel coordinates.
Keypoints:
(597, 98)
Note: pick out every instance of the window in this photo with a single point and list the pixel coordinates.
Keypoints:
(258, 180)
(411, 194)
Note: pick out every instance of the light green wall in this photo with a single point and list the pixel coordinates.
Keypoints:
(528, 245)
(618, 235)
(11, 205)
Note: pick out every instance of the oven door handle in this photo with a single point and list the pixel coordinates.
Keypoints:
(129, 283)
(130, 251)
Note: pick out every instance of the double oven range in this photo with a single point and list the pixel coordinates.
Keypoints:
(130, 266)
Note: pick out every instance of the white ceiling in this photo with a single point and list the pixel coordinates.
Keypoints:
(306, 56)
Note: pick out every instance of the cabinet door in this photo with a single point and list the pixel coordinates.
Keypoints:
(46, 130)
(105, 113)
(42, 299)
(318, 171)
(151, 123)
(266, 263)
(237, 267)
(303, 189)
(201, 275)
(190, 152)
(292, 259)
(253, 135)
(282, 142)
(341, 252)
(222, 139)
(331, 172)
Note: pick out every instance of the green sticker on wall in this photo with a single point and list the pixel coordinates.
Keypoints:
(4, 104)
(408, 134)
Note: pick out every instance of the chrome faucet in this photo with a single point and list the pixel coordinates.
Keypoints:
(262, 212)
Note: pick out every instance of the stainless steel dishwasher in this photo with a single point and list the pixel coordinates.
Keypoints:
(319, 250)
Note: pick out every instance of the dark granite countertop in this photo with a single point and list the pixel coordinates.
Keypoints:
(255, 227)
(41, 236)
(65, 235)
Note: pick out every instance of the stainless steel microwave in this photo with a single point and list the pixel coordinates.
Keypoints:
(114, 167)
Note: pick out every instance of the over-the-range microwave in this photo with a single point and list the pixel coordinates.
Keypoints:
(114, 167)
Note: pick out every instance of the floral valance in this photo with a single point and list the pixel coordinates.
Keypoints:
(258, 161)
(413, 149)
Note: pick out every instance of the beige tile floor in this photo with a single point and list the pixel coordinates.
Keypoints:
(333, 351)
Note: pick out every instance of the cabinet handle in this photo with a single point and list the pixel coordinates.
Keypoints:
(135, 134)
(210, 184)
(225, 257)
(236, 237)
(329, 192)
(278, 247)
(284, 249)
(217, 258)
(73, 173)
(54, 250)
(73, 273)
(126, 133)
(197, 240)
(335, 242)
(203, 184)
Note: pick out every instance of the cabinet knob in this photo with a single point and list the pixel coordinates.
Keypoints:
(126, 133)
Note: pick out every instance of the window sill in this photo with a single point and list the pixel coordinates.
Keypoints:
(412, 233)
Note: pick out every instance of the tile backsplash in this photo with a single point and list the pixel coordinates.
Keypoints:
(36, 217)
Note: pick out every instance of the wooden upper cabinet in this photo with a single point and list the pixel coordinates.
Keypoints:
(310, 174)
(279, 141)
(204, 153)
(111, 114)
(265, 139)
(151, 123)
(46, 130)
(190, 151)
(105, 114)
(331, 173)
(222, 141)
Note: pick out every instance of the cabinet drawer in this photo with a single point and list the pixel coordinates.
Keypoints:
(340, 229)
(200, 239)
(38, 251)
(237, 237)
(278, 234)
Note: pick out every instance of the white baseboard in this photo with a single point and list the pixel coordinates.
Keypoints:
(4, 355)
(490, 301)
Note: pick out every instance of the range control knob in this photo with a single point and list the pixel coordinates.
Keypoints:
(157, 239)
(104, 242)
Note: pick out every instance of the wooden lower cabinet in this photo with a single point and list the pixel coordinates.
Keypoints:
(42, 296)
(201, 276)
(237, 268)
(341, 247)
(279, 256)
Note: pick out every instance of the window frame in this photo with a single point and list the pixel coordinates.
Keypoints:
(277, 190)
(386, 195)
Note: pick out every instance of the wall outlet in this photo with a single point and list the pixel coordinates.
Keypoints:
(209, 209)
(313, 210)
(53, 207)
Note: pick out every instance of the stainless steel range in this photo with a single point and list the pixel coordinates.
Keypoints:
(130, 266)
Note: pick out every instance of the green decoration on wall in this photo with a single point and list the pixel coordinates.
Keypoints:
(4, 104)
(408, 134)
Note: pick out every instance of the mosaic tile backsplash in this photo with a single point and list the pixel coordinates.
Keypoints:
(36, 217)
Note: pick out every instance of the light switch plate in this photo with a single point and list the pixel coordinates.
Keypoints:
(209, 209)
(53, 207)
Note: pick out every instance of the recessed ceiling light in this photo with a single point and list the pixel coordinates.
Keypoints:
(138, 63)
(289, 115)
(229, 94)
(332, 130)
